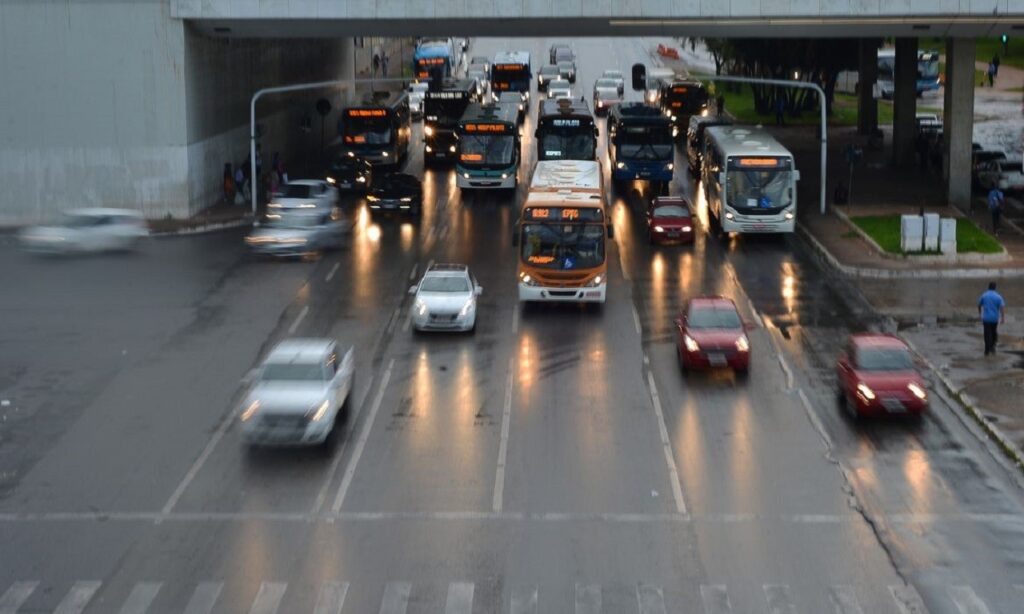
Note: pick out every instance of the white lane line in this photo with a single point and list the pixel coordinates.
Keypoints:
(524, 600)
(844, 599)
(141, 598)
(396, 598)
(460, 598)
(506, 418)
(407, 323)
(778, 599)
(198, 464)
(444, 233)
(907, 599)
(298, 320)
(15, 596)
(350, 471)
(815, 420)
(588, 599)
(268, 598)
(650, 599)
(204, 598)
(515, 318)
(754, 312)
(78, 597)
(715, 598)
(334, 269)
(415, 269)
(636, 321)
(392, 320)
(666, 446)
(332, 598)
(790, 381)
(966, 600)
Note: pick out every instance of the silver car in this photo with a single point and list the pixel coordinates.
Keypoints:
(297, 234)
(304, 195)
(616, 75)
(446, 299)
(298, 393)
(606, 95)
(558, 89)
(87, 230)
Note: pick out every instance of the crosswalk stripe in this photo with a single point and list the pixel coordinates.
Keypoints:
(588, 599)
(650, 599)
(141, 598)
(460, 598)
(845, 600)
(908, 600)
(524, 600)
(15, 596)
(78, 597)
(967, 601)
(715, 598)
(778, 599)
(332, 598)
(268, 598)
(396, 598)
(204, 598)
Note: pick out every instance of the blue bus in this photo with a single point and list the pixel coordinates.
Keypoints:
(640, 144)
(434, 58)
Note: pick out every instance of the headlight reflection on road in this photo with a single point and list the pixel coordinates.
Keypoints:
(527, 362)
(407, 234)
(918, 472)
(788, 286)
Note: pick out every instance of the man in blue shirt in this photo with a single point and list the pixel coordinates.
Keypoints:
(993, 311)
(995, 206)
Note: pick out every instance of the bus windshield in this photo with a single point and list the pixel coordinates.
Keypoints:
(759, 190)
(367, 131)
(447, 110)
(486, 150)
(685, 99)
(645, 142)
(567, 142)
(563, 247)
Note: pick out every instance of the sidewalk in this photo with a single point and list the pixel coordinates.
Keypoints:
(216, 217)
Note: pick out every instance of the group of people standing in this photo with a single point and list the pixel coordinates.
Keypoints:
(237, 184)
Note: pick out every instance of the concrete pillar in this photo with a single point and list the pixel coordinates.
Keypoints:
(867, 105)
(958, 120)
(348, 67)
(904, 100)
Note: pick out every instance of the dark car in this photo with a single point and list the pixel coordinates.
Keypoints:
(711, 334)
(514, 98)
(695, 139)
(348, 173)
(876, 376)
(669, 220)
(396, 192)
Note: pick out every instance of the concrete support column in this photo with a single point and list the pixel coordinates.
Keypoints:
(958, 120)
(348, 67)
(904, 102)
(867, 106)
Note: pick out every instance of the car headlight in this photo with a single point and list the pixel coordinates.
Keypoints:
(351, 154)
(451, 148)
(331, 180)
(674, 118)
(319, 412)
(675, 132)
(743, 344)
(659, 229)
(361, 179)
(307, 206)
(599, 103)
(420, 307)
(406, 199)
(429, 148)
(690, 343)
(274, 206)
(470, 304)
(250, 411)
(687, 228)
(524, 95)
(428, 130)
(866, 392)
(593, 283)
(520, 107)
(917, 391)
(620, 165)
(384, 154)
(372, 198)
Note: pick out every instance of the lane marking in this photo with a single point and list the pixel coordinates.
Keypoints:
(334, 269)
(715, 598)
(666, 446)
(407, 324)
(444, 232)
(298, 320)
(588, 599)
(218, 434)
(268, 598)
(415, 269)
(524, 600)
(650, 599)
(636, 322)
(844, 599)
(778, 599)
(332, 598)
(361, 443)
(753, 310)
(460, 598)
(204, 598)
(141, 598)
(506, 417)
(790, 381)
(15, 596)
(430, 263)
(396, 598)
(78, 597)
(392, 320)
(966, 600)
(907, 599)
(815, 420)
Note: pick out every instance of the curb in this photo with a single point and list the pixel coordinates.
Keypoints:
(204, 229)
(872, 273)
(1008, 447)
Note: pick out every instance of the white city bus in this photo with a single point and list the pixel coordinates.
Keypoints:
(749, 180)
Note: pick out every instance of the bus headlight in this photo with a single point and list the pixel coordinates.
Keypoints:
(351, 154)
(361, 179)
(331, 180)
(428, 149)
(675, 132)
(673, 117)
(465, 175)
(691, 344)
(670, 166)
(526, 279)
(406, 199)
(451, 148)
(620, 165)
(729, 216)
(789, 215)
(593, 283)
(428, 130)
(504, 175)
(384, 154)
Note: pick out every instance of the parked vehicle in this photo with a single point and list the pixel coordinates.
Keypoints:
(1001, 173)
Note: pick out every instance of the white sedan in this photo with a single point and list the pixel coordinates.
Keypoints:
(559, 89)
(304, 194)
(87, 230)
(446, 299)
(300, 391)
(616, 75)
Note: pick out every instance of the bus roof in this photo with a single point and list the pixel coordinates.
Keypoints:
(745, 141)
(512, 57)
(433, 49)
(570, 182)
(467, 86)
(501, 113)
(388, 100)
(564, 106)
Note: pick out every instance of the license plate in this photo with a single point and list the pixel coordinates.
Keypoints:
(716, 360)
(593, 294)
(346, 184)
(645, 174)
(672, 234)
(893, 406)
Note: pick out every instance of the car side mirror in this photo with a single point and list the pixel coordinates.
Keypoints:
(478, 290)
(413, 289)
(796, 175)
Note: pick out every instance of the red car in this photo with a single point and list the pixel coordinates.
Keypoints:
(669, 220)
(877, 376)
(711, 334)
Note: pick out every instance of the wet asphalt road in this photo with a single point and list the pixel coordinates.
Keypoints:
(556, 461)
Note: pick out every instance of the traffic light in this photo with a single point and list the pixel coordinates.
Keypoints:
(639, 77)
(1006, 41)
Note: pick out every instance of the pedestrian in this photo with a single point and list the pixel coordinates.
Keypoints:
(274, 181)
(384, 64)
(720, 105)
(239, 181)
(228, 184)
(992, 309)
(780, 110)
(996, 200)
(282, 175)
(995, 63)
(991, 74)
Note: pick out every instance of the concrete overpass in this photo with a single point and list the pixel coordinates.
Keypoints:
(139, 103)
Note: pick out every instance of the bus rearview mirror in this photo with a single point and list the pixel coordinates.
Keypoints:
(639, 77)
(796, 175)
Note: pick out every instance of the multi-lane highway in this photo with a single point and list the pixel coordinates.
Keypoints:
(556, 461)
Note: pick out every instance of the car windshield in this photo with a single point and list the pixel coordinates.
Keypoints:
(714, 317)
(671, 211)
(549, 70)
(607, 83)
(444, 283)
(884, 359)
(563, 246)
(564, 66)
(292, 190)
(81, 220)
(292, 372)
(613, 74)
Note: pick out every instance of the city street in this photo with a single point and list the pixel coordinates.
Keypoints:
(555, 461)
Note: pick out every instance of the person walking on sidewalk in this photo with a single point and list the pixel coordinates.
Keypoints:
(996, 200)
(992, 309)
(780, 110)
(991, 74)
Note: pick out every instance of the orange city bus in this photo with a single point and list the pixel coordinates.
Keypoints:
(562, 234)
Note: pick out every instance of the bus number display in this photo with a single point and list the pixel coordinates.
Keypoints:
(500, 85)
(431, 61)
(491, 128)
(760, 162)
(508, 67)
(565, 123)
(679, 90)
(569, 214)
(471, 157)
(366, 112)
(446, 95)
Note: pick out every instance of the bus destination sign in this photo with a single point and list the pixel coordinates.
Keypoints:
(489, 128)
(565, 214)
(366, 112)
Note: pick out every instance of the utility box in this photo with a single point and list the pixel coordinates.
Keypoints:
(947, 235)
(911, 233)
(931, 232)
